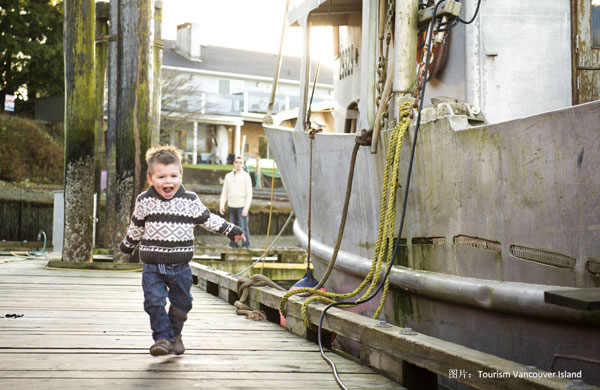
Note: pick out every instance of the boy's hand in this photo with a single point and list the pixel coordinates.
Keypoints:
(237, 238)
(236, 233)
(222, 210)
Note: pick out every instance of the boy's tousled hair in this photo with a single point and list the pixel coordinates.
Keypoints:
(164, 154)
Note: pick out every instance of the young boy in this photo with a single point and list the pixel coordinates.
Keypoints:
(163, 223)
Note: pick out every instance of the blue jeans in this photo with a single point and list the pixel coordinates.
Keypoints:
(235, 217)
(160, 281)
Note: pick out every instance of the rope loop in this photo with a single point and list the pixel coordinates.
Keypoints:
(365, 138)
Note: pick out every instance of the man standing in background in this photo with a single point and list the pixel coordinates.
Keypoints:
(237, 194)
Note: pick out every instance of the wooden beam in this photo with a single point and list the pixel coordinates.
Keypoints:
(580, 298)
(390, 348)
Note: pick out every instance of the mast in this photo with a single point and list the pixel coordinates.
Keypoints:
(405, 46)
(304, 72)
(368, 64)
(268, 118)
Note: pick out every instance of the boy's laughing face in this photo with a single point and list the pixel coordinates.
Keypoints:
(166, 179)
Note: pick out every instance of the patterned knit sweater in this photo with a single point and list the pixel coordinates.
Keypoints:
(166, 227)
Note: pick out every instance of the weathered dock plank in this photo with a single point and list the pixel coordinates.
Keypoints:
(83, 329)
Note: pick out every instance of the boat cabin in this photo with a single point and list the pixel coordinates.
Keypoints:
(514, 59)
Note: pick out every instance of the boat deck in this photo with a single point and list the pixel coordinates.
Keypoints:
(88, 330)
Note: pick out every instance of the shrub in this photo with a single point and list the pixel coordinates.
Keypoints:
(31, 150)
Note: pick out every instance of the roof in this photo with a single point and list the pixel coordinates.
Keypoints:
(236, 61)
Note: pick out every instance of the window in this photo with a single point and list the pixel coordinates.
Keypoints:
(224, 87)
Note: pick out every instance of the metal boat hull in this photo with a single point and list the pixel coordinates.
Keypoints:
(496, 215)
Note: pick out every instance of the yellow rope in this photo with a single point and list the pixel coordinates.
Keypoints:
(385, 231)
(270, 215)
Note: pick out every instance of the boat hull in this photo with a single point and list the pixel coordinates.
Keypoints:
(496, 215)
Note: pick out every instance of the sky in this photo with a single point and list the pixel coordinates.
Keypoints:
(245, 24)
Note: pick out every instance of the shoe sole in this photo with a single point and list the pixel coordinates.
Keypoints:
(159, 351)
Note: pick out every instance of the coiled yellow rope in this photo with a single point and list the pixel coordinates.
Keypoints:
(387, 218)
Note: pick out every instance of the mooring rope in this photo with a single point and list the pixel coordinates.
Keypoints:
(385, 229)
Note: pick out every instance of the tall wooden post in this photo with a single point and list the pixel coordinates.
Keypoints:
(79, 21)
(157, 73)
(134, 94)
(101, 31)
(111, 211)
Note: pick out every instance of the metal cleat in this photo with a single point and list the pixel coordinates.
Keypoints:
(407, 331)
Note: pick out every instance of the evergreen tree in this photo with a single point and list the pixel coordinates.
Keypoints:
(31, 51)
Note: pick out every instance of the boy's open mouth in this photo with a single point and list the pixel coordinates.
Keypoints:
(168, 190)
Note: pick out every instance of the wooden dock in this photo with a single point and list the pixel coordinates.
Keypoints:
(88, 330)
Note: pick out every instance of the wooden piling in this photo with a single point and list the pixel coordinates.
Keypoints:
(134, 94)
(157, 73)
(109, 236)
(79, 20)
(100, 62)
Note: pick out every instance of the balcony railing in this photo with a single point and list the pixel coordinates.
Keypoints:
(205, 103)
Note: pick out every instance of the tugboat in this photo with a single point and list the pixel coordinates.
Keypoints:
(498, 191)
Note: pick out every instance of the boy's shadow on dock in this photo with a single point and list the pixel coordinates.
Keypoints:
(160, 363)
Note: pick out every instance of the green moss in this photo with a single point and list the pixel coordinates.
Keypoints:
(402, 308)
(402, 254)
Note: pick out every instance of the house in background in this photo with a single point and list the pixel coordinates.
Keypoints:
(214, 99)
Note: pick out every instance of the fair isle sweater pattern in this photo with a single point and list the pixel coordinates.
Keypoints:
(165, 228)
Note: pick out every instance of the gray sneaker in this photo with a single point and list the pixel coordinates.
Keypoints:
(178, 346)
(161, 347)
